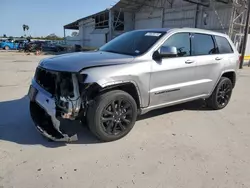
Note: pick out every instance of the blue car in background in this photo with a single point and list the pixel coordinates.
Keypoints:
(10, 45)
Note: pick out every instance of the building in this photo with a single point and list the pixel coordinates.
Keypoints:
(126, 15)
(95, 30)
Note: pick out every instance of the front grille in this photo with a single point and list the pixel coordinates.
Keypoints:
(46, 79)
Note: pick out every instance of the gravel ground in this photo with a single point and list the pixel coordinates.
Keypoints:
(183, 146)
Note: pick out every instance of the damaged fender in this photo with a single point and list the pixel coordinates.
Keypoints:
(108, 76)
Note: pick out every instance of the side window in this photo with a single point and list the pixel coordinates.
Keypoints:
(181, 41)
(223, 45)
(203, 44)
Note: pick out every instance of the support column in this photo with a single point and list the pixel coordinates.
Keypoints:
(245, 37)
(110, 25)
(162, 17)
(133, 21)
(196, 16)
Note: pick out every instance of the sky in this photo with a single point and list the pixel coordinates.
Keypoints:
(45, 16)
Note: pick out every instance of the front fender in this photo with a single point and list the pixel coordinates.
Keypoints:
(137, 74)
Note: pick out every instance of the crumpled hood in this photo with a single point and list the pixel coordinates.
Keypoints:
(75, 62)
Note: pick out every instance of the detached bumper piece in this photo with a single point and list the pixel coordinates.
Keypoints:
(44, 124)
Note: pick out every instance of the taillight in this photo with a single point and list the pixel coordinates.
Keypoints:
(240, 58)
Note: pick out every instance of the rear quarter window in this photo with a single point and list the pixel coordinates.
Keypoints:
(223, 45)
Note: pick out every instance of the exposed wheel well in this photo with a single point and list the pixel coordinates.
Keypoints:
(90, 91)
(95, 90)
(231, 76)
(127, 87)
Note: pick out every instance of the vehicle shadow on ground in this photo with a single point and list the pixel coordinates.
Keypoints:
(198, 105)
(16, 124)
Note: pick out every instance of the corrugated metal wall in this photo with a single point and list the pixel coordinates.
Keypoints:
(215, 22)
(88, 39)
(148, 18)
(179, 17)
(178, 14)
(183, 14)
(128, 21)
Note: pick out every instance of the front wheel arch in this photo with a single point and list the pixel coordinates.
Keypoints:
(127, 87)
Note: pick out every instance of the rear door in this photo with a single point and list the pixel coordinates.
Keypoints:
(209, 62)
(227, 55)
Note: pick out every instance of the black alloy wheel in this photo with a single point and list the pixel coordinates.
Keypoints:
(221, 94)
(112, 115)
(224, 94)
(117, 116)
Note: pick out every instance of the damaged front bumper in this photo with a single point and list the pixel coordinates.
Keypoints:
(43, 111)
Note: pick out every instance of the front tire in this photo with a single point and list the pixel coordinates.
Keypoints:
(112, 115)
(6, 47)
(221, 94)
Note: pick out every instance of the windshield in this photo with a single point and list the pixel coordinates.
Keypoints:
(133, 43)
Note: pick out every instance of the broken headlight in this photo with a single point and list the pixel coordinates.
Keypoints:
(68, 98)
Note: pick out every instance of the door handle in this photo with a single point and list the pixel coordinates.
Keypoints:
(218, 58)
(189, 61)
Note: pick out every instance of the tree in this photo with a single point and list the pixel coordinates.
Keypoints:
(25, 28)
(53, 36)
(4, 35)
(74, 34)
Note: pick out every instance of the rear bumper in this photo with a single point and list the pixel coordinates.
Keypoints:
(43, 113)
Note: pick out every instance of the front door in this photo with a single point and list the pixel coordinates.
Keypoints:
(173, 79)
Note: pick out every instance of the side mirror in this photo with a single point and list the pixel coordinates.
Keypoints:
(166, 51)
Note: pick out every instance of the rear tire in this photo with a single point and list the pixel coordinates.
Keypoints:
(221, 94)
(112, 115)
(6, 47)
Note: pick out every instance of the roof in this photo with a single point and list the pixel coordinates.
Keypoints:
(133, 5)
(154, 29)
(124, 5)
(75, 25)
(196, 30)
(184, 29)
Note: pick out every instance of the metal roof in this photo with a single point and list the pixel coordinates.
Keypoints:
(123, 5)
(75, 25)
(135, 5)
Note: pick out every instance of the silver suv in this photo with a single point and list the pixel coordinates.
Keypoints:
(136, 72)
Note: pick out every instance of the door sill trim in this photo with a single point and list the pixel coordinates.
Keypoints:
(146, 110)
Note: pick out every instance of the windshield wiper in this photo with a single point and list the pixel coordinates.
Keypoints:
(115, 52)
(111, 51)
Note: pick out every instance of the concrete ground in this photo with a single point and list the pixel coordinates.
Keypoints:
(185, 146)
